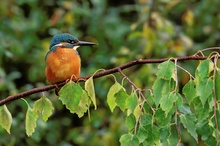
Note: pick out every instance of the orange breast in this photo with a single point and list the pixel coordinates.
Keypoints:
(62, 64)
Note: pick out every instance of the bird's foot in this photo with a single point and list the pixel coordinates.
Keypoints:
(57, 89)
(67, 80)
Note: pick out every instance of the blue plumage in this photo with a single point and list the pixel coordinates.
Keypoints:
(66, 40)
(64, 37)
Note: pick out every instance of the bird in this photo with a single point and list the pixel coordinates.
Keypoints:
(62, 60)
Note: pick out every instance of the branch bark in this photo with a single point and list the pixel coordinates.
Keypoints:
(97, 75)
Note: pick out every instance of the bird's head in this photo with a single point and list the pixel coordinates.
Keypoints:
(67, 40)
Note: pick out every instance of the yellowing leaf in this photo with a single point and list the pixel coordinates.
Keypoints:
(30, 122)
(5, 118)
(69, 19)
(149, 34)
(111, 95)
(44, 107)
(177, 46)
(188, 17)
(137, 112)
(89, 87)
(70, 95)
(31, 119)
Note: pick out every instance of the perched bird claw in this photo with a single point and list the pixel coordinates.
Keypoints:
(57, 89)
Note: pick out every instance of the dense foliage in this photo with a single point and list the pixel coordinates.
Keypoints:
(125, 30)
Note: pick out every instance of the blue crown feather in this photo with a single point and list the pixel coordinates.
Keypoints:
(63, 37)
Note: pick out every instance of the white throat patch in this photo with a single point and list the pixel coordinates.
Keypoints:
(60, 44)
(75, 47)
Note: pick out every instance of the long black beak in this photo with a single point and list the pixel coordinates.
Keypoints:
(83, 43)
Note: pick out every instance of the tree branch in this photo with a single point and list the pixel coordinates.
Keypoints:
(97, 75)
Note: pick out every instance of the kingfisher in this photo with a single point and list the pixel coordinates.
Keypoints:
(62, 60)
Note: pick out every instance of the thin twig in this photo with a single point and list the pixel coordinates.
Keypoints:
(191, 76)
(97, 75)
(136, 87)
(207, 49)
(140, 94)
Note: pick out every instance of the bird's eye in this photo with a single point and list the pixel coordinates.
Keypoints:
(72, 41)
(69, 41)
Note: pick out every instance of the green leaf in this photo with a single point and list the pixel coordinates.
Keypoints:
(153, 135)
(146, 119)
(188, 121)
(129, 140)
(150, 99)
(83, 105)
(179, 101)
(89, 87)
(166, 102)
(217, 85)
(173, 137)
(202, 71)
(189, 91)
(44, 107)
(204, 129)
(111, 95)
(164, 134)
(121, 97)
(131, 102)
(5, 118)
(130, 122)
(166, 70)
(31, 119)
(204, 89)
(70, 95)
(161, 118)
(185, 109)
(158, 89)
(142, 134)
(201, 111)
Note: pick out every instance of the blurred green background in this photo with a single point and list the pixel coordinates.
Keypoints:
(125, 30)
